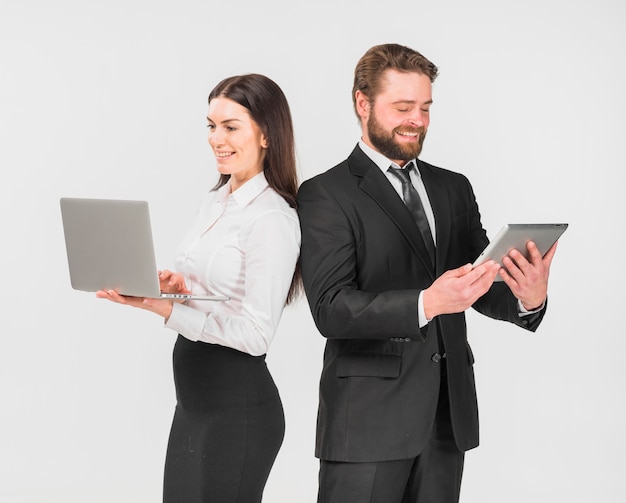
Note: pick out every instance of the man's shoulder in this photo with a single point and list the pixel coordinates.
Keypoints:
(423, 165)
(342, 175)
(443, 174)
(338, 174)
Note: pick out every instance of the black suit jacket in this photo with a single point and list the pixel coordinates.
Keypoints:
(363, 265)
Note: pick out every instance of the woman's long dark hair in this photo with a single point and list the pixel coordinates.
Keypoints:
(268, 107)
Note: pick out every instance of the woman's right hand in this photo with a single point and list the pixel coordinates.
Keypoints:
(162, 307)
(172, 282)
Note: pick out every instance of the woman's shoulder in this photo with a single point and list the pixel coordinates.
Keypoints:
(269, 210)
(270, 200)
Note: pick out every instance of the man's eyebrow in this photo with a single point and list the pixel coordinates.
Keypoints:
(411, 102)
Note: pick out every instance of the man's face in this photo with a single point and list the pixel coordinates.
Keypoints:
(396, 124)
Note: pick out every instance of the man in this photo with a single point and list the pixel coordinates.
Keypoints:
(397, 398)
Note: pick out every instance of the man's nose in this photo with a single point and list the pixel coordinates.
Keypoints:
(419, 119)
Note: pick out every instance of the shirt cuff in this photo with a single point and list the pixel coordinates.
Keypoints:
(421, 314)
(186, 321)
(522, 311)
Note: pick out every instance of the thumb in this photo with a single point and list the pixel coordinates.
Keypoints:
(461, 271)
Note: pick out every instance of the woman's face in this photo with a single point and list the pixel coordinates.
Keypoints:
(237, 141)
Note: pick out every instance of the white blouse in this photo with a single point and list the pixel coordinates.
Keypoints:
(243, 245)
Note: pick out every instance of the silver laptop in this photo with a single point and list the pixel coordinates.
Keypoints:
(109, 247)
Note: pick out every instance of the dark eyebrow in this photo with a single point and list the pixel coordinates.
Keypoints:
(224, 121)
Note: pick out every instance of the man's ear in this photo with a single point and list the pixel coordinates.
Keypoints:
(362, 105)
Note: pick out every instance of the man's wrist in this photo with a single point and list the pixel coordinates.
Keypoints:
(421, 313)
(524, 310)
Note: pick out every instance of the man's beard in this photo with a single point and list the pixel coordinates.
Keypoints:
(387, 145)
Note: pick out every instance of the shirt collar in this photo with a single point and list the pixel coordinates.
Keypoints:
(380, 160)
(247, 192)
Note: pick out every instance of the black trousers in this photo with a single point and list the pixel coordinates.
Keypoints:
(432, 477)
(227, 429)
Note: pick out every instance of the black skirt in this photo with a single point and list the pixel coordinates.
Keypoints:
(227, 429)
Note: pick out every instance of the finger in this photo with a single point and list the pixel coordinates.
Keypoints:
(512, 269)
(487, 275)
(131, 301)
(519, 258)
(482, 269)
(517, 265)
(517, 282)
(111, 295)
(114, 295)
(533, 252)
(508, 279)
(165, 274)
(547, 258)
(458, 272)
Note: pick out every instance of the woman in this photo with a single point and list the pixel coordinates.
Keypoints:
(229, 425)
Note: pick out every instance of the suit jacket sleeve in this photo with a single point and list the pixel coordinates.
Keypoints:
(328, 259)
(507, 311)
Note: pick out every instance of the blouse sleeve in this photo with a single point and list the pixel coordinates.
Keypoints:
(272, 247)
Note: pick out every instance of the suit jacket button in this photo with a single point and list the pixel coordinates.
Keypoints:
(436, 358)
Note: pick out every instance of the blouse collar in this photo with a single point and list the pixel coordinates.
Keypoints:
(246, 192)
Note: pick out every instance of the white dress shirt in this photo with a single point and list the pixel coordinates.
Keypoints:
(416, 179)
(243, 245)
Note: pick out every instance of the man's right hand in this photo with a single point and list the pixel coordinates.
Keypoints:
(456, 290)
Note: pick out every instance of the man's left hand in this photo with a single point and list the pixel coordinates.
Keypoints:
(528, 279)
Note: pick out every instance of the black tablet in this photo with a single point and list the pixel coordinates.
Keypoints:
(515, 236)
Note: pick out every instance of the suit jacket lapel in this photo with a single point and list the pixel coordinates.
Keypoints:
(375, 184)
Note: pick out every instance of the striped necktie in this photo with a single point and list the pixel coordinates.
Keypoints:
(414, 204)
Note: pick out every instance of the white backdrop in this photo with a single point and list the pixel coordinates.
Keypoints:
(108, 99)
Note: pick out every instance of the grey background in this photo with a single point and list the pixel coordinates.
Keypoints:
(108, 99)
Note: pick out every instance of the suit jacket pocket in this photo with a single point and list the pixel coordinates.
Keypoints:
(368, 365)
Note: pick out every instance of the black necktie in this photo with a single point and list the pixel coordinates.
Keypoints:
(414, 204)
